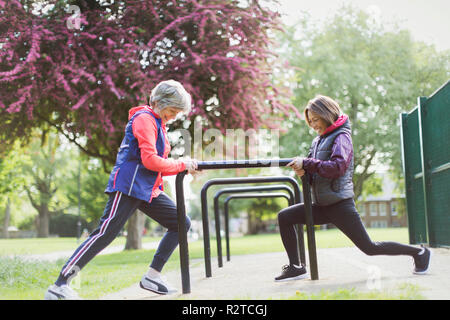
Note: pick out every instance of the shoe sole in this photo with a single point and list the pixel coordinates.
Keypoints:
(302, 276)
(156, 291)
(52, 296)
(428, 267)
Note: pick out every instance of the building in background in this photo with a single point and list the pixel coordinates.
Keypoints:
(385, 210)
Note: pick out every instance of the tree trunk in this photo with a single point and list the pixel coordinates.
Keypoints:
(134, 231)
(7, 218)
(44, 221)
(254, 224)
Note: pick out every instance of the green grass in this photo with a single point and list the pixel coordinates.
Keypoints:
(24, 279)
(405, 291)
(48, 245)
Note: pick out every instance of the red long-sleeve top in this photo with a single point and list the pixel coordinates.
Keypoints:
(145, 131)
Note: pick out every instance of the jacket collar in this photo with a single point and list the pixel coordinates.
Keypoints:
(338, 123)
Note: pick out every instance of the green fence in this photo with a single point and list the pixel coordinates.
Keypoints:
(426, 165)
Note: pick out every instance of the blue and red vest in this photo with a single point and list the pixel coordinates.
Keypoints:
(129, 175)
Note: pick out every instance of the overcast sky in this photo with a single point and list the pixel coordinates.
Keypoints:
(428, 20)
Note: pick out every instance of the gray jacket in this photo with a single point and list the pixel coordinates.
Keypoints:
(327, 191)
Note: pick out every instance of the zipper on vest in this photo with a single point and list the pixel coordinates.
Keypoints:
(132, 181)
(315, 157)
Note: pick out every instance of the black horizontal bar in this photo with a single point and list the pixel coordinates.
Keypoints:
(256, 195)
(232, 164)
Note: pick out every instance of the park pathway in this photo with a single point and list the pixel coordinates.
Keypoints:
(251, 277)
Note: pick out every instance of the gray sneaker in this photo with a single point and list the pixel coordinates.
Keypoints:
(63, 292)
(157, 285)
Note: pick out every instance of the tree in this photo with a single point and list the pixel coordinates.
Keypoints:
(43, 169)
(93, 179)
(83, 81)
(10, 183)
(373, 73)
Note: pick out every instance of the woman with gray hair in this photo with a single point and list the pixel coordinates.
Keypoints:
(136, 183)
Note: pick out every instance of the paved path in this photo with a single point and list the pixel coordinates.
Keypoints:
(251, 277)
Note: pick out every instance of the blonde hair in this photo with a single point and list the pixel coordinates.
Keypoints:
(324, 107)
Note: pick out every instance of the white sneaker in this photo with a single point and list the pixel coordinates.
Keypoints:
(63, 292)
(157, 285)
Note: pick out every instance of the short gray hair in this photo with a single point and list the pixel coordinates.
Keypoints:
(170, 93)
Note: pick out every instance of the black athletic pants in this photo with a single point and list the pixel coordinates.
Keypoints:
(345, 217)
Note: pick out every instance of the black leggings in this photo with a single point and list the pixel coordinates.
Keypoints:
(345, 217)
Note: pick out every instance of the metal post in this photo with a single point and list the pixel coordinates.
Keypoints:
(218, 235)
(206, 242)
(182, 234)
(310, 228)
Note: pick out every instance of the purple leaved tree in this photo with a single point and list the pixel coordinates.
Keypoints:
(78, 66)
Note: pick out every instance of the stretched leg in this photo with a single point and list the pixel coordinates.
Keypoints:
(117, 211)
(164, 211)
(345, 217)
(290, 216)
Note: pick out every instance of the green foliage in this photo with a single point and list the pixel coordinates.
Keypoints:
(372, 186)
(43, 170)
(43, 176)
(66, 225)
(93, 179)
(373, 73)
(11, 179)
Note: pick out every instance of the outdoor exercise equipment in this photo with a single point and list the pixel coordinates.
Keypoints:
(242, 180)
(210, 165)
(245, 190)
(246, 196)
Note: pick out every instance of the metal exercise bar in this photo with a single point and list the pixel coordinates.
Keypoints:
(244, 190)
(243, 180)
(247, 196)
(206, 165)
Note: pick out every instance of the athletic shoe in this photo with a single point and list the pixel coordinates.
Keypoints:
(63, 292)
(292, 272)
(156, 284)
(422, 261)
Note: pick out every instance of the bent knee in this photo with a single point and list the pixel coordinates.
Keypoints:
(173, 226)
(282, 217)
(188, 223)
(371, 249)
